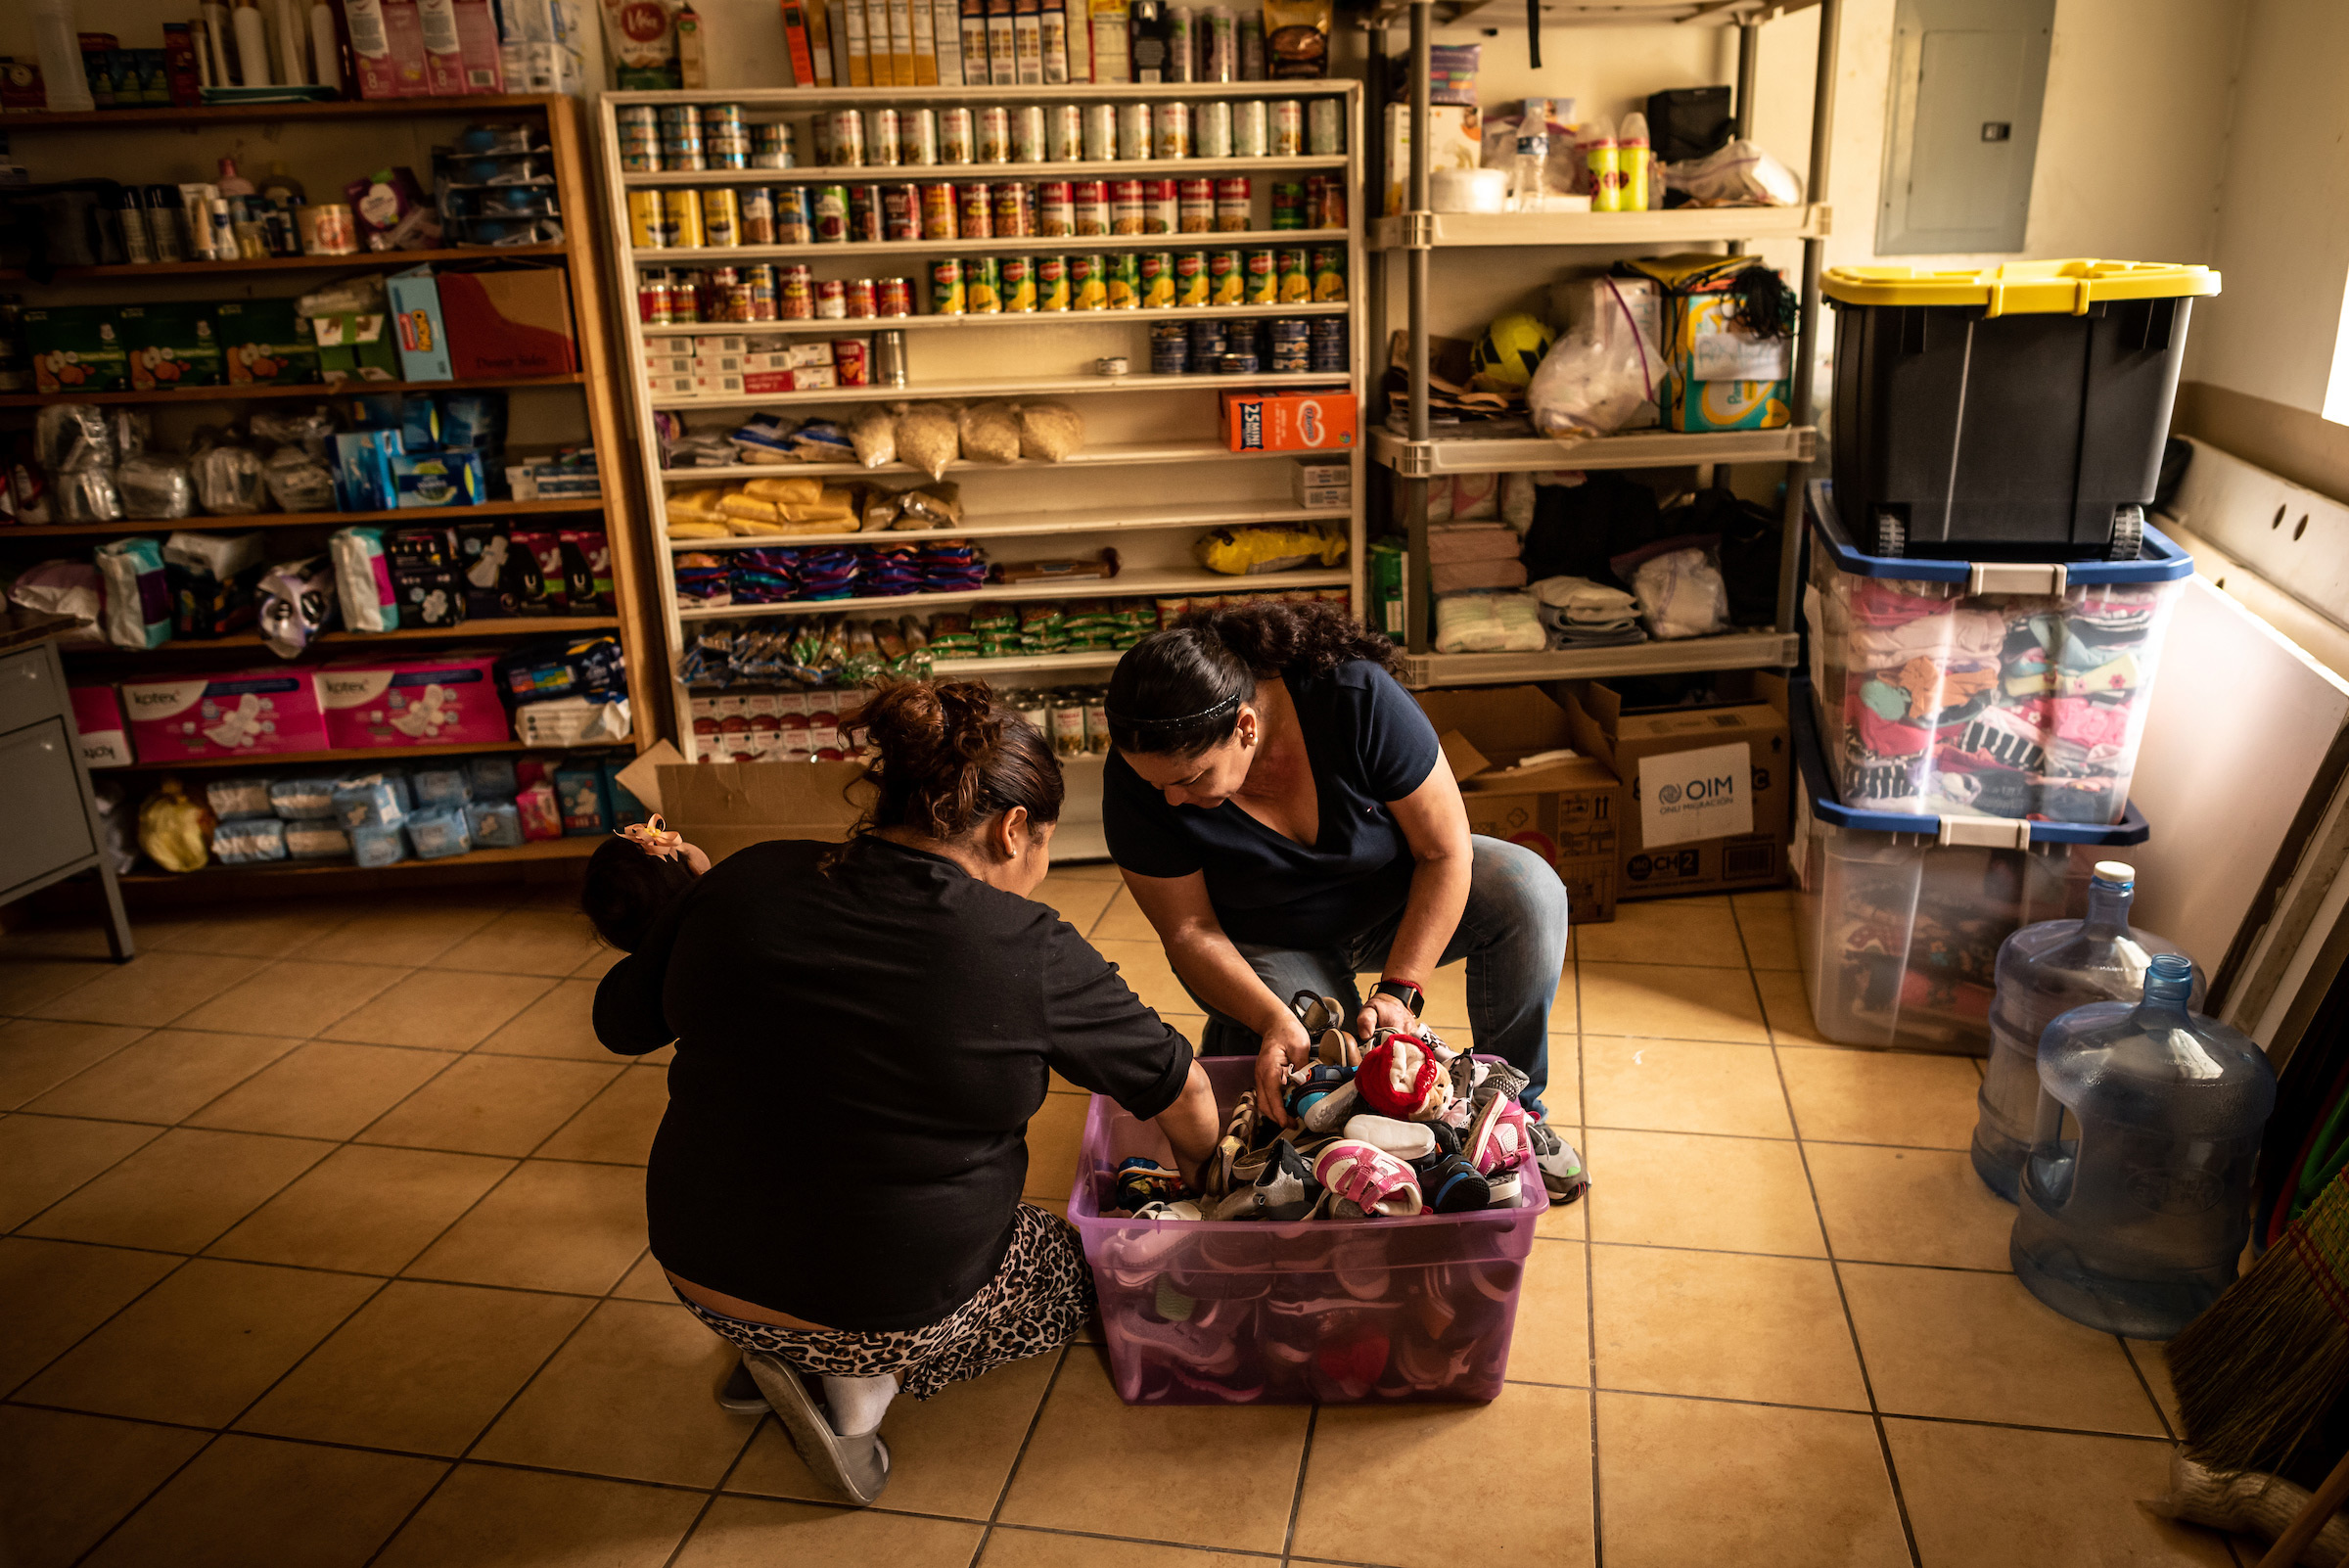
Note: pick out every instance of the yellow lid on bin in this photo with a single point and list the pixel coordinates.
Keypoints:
(2019, 288)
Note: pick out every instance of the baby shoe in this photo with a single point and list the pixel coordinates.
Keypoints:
(1366, 1176)
(1238, 1133)
(1510, 1081)
(1400, 1077)
(1309, 1086)
(1180, 1209)
(1561, 1169)
(1141, 1181)
(1327, 1111)
(1326, 1025)
(1285, 1190)
(1447, 1181)
(1495, 1131)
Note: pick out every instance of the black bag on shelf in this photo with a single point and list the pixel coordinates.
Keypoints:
(69, 225)
(1688, 122)
(1578, 529)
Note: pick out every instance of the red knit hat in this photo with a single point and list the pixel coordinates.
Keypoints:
(1399, 1077)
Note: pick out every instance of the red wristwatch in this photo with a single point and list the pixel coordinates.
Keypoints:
(1403, 991)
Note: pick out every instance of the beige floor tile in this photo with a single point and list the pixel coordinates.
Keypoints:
(618, 1124)
(1007, 1547)
(1787, 1005)
(290, 1504)
(1691, 1481)
(550, 1225)
(365, 1210)
(1089, 1445)
(752, 1532)
(422, 1368)
(949, 1454)
(1768, 933)
(405, 932)
(1570, 1222)
(1982, 1348)
(644, 1281)
(1446, 1010)
(492, 1105)
(274, 930)
(165, 1076)
(1080, 901)
(525, 942)
(597, 963)
(1982, 1496)
(203, 1345)
(1682, 1085)
(2156, 1372)
(560, 1022)
(1551, 1342)
(54, 1292)
(1679, 1189)
(1386, 1485)
(1671, 1000)
(43, 1158)
(1763, 899)
(152, 990)
(70, 939)
(28, 979)
(299, 997)
(1846, 1096)
(38, 1054)
(1667, 930)
(1054, 1134)
(1122, 920)
(1722, 1325)
(426, 1009)
(1088, 870)
(627, 1396)
(1143, 966)
(66, 1480)
(182, 1191)
(326, 1089)
(1908, 1206)
(488, 1517)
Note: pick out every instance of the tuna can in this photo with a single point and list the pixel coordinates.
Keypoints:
(958, 140)
(1251, 132)
(722, 219)
(849, 362)
(1171, 123)
(1091, 202)
(831, 299)
(881, 128)
(1288, 204)
(1110, 365)
(893, 297)
(1126, 281)
(1327, 264)
(901, 212)
(1195, 207)
(1014, 212)
(1288, 129)
(639, 156)
(1289, 359)
(758, 215)
(1295, 279)
(863, 298)
(917, 137)
(771, 146)
(974, 212)
(995, 135)
(724, 119)
(864, 213)
(734, 152)
(946, 298)
(1066, 143)
(648, 221)
(684, 211)
(1157, 279)
(1236, 206)
(1211, 129)
(1244, 337)
(1100, 132)
(652, 297)
(831, 214)
(1088, 281)
(982, 286)
(1264, 280)
(940, 203)
(1125, 206)
(1190, 279)
(1018, 273)
(795, 295)
(1236, 365)
(1134, 131)
(844, 138)
(1052, 283)
(765, 289)
(1287, 329)
(1208, 343)
(1055, 209)
(1325, 131)
(1029, 144)
(1162, 208)
(1226, 279)
(1170, 348)
(682, 155)
(795, 217)
(1219, 48)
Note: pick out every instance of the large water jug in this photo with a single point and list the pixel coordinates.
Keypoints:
(2135, 1199)
(2044, 971)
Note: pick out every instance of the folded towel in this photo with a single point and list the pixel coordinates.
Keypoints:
(1455, 577)
(1584, 600)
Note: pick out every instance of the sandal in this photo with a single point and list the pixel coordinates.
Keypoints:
(1325, 1022)
(1366, 1176)
(1239, 1133)
(855, 1467)
(1285, 1189)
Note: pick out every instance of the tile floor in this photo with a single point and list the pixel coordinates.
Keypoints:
(324, 1245)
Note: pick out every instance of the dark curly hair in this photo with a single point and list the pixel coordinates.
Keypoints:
(625, 890)
(1178, 692)
(949, 760)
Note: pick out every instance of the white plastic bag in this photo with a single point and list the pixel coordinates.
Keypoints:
(1740, 174)
(1489, 623)
(1681, 594)
(1599, 377)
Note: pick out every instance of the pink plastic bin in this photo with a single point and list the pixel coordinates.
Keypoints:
(1343, 1312)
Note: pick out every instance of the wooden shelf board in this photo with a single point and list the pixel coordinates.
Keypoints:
(318, 388)
(265, 761)
(494, 626)
(297, 263)
(575, 847)
(1734, 650)
(406, 517)
(223, 114)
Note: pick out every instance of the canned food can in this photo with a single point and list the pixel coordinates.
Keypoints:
(1264, 278)
(995, 135)
(1170, 348)
(1110, 365)
(795, 215)
(1236, 206)
(758, 215)
(819, 139)
(1288, 204)
(680, 118)
(1327, 264)
(1055, 209)
(1288, 129)
(684, 209)
(1162, 210)
(765, 290)
(1208, 343)
(1211, 129)
(683, 154)
(1183, 44)
(946, 296)
(893, 297)
(1251, 130)
(770, 145)
(1325, 202)
(1052, 283)
(957, 139)
(917, 137)
(849, 362)
(795, 295)
(844, 138)
(1288, 329)
(887, 366)
(1100, 132)
(1236, 365)
(881, 133)
(1014, 212)
(733, 294)
(639, 156)
(1028, 140)
(1088, 281)
(684, 298)
(1325, 131)
(1134, 131)
(648, 221)
(1219, 48)
(725, 119)
(1125, 206)
(1018, 274)
(939, 204)
(831, 299)
(1190, 279)
(901, 212)
(1289, 358)
(831, 214)
(1242, 337)
(638, 119)
(1296, 281)
(1195, 206)
(974, 212)
(722, 219)
(1172, 122)
(982, 286)
(1066, 141)
(864, 213)
(1126, 281)
(1227, 280)
(1091, 200)
(652, 297)
(1157, 279)
(733, 152)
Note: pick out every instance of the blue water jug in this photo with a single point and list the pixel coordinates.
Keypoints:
(2135, 1198)
(2044, 971)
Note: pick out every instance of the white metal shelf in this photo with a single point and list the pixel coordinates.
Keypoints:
(1734, 650)
(1026, 665)
(1125, 586)
(1007, 387)
(958, 173)
(1650, 449)
(1037, 524)
(838, 326)
(1106, 456)
(720, 256)
(1679, 225)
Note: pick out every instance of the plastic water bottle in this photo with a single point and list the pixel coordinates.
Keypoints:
(2044, 971)
(2135, 1199)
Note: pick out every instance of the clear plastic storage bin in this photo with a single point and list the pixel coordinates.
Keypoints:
(1984, 688)
(1898, 918)
(1339, 1311)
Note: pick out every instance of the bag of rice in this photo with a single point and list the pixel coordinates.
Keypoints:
(873, 432)
(927, 437)
(934, 506)
(1050, 431)
(991, 433)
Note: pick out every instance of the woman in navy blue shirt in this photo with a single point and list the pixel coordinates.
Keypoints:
(1282, 814)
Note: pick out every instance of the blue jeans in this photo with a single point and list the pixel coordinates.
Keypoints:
(1512, 933)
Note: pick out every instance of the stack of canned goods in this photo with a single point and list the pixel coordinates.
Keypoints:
(1247, 346)
(1139, 280)
(685, 296)
(688, 137)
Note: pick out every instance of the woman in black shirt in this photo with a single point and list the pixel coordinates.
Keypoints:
(862, 1032)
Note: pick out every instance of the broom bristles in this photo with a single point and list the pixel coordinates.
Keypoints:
(2257, 1372)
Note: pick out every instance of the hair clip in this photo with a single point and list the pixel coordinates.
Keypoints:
(653, 837)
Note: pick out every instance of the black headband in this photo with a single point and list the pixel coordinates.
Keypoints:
(1228, 704)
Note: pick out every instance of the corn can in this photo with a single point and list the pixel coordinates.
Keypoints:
(958, 140)
(648, 221)
(722, 219)
(1126, 281)
(1088, 281)
(974, 211)
(1052, 283)
(795, 295)
(901, 212)
(1327, 264)
(940, 203)
(684, 209)
(1295, 279)
(1157, 279)
(1264, 280)
(1190, 279)
(1017, 275)
(982, 286)
(946, 296)
(1227, 280)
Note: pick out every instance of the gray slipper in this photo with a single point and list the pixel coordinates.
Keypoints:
(739, 1394)
(855, 1467)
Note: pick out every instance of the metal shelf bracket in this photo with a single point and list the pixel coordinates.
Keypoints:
(1418, 231)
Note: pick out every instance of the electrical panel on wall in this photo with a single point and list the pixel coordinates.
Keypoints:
(1963, 128)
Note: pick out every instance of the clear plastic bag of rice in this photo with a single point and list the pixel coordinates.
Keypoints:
(927, 437)
(1050, 431)
(873, 432)
(991, 433)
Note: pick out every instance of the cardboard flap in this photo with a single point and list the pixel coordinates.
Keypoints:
(724, 807)
(1466, 759)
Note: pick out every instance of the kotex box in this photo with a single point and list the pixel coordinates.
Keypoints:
(1424, 1313)
(1984, 688)
(1508, 747)
(98, 724)
(244, 713)
(446, 700)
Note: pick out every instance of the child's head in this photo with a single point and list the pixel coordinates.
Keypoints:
(631, 878)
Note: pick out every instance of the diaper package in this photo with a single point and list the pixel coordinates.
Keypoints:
(440, 786)
(306, 799)
(248, 840)
(374, 846)
(316, 841)
(378, 800)
(492, 777)
(437, 831)
(234, 798)
(494, 824)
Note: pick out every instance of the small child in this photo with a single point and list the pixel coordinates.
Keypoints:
(634, 876)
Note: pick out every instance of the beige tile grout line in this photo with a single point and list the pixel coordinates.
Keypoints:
(1581, 1111)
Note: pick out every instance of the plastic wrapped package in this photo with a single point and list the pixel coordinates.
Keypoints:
(299, 481)
(440, 786)
(988, 432)
(1050, 431)
(304, 798)
(363, 589)
(298, 602)
(873, 432)
(250, 841)
(1680, 588)
(492, 777)
(316, 841)
(175, 832)
(218, 556)
(228, 479)
(821, 441)
(154, 488)
(1601, 372)
(1489, 623)
(372, 799)
(62, 588)
(138, 601)
(1260, 547)
(494, 824)
(933, 506)
(1517, 500)
(1740, 174)
(439, 832)
(310, 429)
(234, 798)
(378, 845)
(85, 495)
(67, 437)
(928, 436)
(113, 824)
(541, 817)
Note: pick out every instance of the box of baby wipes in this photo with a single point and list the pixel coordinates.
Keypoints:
(450, 701)
(244, 713)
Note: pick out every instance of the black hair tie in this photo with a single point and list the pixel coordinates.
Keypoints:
(1229, 704)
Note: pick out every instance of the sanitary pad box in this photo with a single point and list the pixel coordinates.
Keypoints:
(242, 712)
(98, 721)
(413, 701)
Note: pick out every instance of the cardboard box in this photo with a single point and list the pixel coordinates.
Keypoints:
(422, 337)
(171, 346)
(438, 479)
(1567, 809)
(724, 807)
(511, 321)
(413, 701)
(98, 722)
(354, 346)
(77, 349)
(1455, 141)
(265, 342)
(1707, 788)
(1287, 422)
(244, 713)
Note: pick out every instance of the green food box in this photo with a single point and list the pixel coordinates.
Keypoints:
(355, 348)
(171, 346)
(266, 342)
(77, 349)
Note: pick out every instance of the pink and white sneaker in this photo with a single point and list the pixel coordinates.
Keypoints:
(1370, 1178)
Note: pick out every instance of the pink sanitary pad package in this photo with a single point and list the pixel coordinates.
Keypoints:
(413, 701)
(243, 712)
